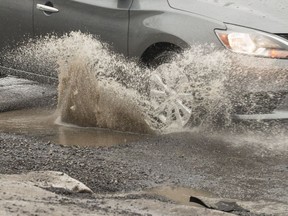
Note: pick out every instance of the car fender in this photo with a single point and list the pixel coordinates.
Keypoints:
(149, 26)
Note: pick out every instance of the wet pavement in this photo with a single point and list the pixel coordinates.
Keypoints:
(165, 168)
(18, 93)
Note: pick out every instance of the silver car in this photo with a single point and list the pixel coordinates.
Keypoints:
(151, 30)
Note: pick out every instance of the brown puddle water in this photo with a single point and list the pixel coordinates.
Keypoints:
(180, 195)
(39, 122)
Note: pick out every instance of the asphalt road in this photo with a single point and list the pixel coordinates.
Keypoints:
(254, 176)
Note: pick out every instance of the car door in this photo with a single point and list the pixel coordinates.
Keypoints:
(107, 19)
(16, 25)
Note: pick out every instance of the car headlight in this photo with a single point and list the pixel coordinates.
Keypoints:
(253, 42)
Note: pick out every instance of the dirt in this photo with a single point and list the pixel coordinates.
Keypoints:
(55, 193)
(122, 176)
(180, 159)
(22, 154)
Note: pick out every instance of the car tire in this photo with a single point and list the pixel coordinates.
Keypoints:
(171, 103)
(178, 105)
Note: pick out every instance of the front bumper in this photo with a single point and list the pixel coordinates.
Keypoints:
(275, 115)
(274, 109)
(261, 92)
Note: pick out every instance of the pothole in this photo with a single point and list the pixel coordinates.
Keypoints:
(41, 123)
(180, 195)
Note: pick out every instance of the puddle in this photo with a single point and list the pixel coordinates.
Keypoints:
(180, 195)
(41, 123)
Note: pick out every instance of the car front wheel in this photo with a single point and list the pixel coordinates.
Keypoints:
(170, 93)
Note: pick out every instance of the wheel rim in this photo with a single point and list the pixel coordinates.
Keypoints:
(171, 99)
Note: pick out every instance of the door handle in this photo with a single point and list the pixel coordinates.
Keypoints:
(46, 8)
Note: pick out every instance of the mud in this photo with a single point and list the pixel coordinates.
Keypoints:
(182, 160)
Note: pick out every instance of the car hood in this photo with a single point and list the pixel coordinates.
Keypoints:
(266, 15)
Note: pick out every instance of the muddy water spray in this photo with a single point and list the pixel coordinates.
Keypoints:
(103, 89)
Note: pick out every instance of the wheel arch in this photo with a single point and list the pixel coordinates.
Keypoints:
(157, 48)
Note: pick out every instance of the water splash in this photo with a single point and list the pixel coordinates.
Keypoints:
(86, 99)
(103, 89)
(196, 80)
